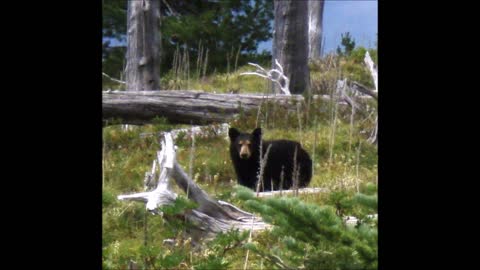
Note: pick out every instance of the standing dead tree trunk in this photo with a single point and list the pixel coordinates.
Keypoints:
(290, 43)
(143, 45)
(210, 217)
(371, 67)
(315, 28)
(373, 71)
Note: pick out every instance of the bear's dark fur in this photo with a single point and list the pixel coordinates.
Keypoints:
(244, 152)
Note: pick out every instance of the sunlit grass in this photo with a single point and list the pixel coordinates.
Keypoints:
(128, 154)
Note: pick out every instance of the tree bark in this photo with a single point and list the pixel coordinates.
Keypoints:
(315, 28)
(183, 106)
(143, 45)
(290, 43)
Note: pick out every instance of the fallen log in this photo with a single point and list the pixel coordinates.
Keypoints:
(185, 106)
(192, 107)
(356, 86)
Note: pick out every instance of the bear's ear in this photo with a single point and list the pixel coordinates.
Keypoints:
(233, 133)
(257, 133)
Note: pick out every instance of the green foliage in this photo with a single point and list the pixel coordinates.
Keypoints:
(113, 62)
(348, 44)
(212, 262)
(357, 56)
(225, 28)
(171, 260)
(114, 14)
(118, 251)
(325, 72)
(369, 189)
(341, 201)
(220, 249)
(107, 198)
(180, 206)
(219, 83)
(308, 230)
(369, 201)
(355, 69)
(313, 236)
(127, 156)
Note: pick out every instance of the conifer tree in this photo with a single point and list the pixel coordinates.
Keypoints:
(316, 237)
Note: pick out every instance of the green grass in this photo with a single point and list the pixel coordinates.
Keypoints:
(219, 83)
(128, 154)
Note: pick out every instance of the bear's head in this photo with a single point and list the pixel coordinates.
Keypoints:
(245, 144)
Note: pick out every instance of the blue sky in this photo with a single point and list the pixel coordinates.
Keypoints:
(359, 17)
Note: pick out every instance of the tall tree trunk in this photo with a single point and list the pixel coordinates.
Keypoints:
(143, 45)
(290, 43)
(315, 28)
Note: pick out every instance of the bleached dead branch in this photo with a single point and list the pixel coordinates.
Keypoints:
(210, 217)
(270, 75)
(161, 195)
(113, 79)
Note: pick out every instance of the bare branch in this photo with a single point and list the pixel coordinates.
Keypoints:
(172, 11)
(269, 75)
(113, 79)
(341, 90)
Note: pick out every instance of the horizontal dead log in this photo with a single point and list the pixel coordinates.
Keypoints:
(185, 106)
(363, 89)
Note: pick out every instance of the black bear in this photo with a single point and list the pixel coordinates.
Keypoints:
(244, 152)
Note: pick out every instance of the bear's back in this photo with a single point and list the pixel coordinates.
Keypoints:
(281, 157)
(283, 148)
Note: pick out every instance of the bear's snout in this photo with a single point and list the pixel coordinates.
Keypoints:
(244, 152)
(244, 155)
